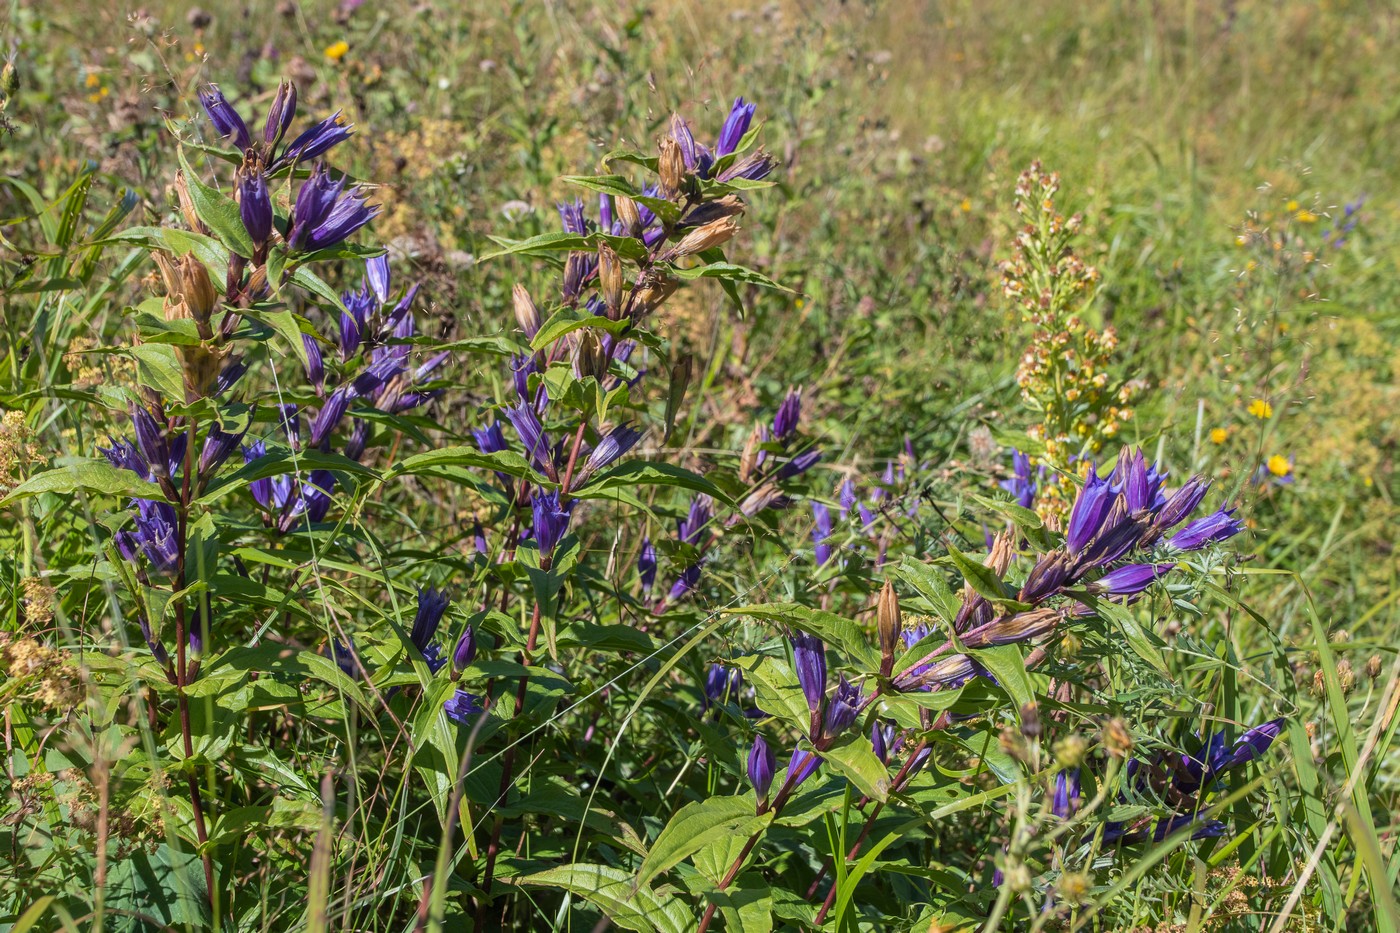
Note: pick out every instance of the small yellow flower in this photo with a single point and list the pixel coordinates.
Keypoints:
(1305, 217)
(336, 50)
(1261, 409)
(965, 206)
(92, 79)
(1241, 239)
(1279, 466)
(1219, 435)
(1292, 206)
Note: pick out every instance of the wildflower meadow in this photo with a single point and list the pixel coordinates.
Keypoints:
(873, 466)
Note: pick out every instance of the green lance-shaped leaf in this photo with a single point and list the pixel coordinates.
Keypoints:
(695, 826)
(611, 891)
(219, 212)
(91, 474)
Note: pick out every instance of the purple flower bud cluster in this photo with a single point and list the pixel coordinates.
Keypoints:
(719, 162)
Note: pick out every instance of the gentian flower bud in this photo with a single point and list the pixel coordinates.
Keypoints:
(1182, 503)
(526, 314)
(316, 141)
(577, 268)
(280, 114)
(1090, 509)
(799, 464)
(697, 519)
(762, 764)
(1050, 573)
(1066, 797)
(1022, 483)
(821, 532)
(359, 437)
(551, 521)
(646, 565)
(881, 735)
(255, 207)
(490, 439)
(801, 766)
(316, 494)
(1217, 526)
(612, 445)
(432, 604)
(225, 119)
(527, 424)
(755, 166)
(377, 277)
(465, 652)
(689, 149)
(721, 685)
(735, 126)
(846, 496)
(788, 415)
(590, 359)
(1129, 580)
(809, 655)
(685, 583)
(315, 363)
(330, 415)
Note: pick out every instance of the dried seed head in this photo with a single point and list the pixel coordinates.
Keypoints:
(610, 280)
(627, 213)
(748, 460)
(652, 294)
(1346, 675)
(889, 623)
(188, 291)
(1373, 666)
(1014, 743)
(590, 359)
(1117, 740)
(999, 557)
(713, 234)
(1017, 877)
(182, 192)
(526, 314)
(671, 167)
(1030, 720)
(1073, 886)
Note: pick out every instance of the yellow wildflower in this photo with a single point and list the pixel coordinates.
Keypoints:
(1305, 217)
(1292, 206)
(965, 206)
(1261, 409)
(336, 50)
(1218, 435)
(1279, 466)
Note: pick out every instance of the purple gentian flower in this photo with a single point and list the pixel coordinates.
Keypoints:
(842, 709)
(327, 212)
(646, 565)
(762, 764)
(809, 655)
(735, 126)
(551, 520)
(789, 413)
(465, 652)
(225, 119)
(821, 531)
(461, 706)
(255, 207)
(1130, 579)
(1217, 526)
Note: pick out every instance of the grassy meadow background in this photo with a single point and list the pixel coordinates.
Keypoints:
(1212, 148)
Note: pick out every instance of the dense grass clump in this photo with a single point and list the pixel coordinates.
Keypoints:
(912, 466)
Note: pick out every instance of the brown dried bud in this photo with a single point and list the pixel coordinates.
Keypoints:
(713, 234)
(627, 213)
(526, 314)
(1117, 740)
(1373, 666)
(1030, 720)
(188, 291)
(889, 623)
(610, 280)
(748, 460)
(701, 214)
(652, 294)
(1346, 675)
(671, 167)
(1013, 743)
(680, 382)
(590, 359)
(999, 557)
(182, 192)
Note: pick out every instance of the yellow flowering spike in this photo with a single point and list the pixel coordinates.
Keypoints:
(1218, 435)
(1261, 409)
(1279, 466)
(336, 50)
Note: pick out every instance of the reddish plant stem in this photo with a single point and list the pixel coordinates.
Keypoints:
(182, 668)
